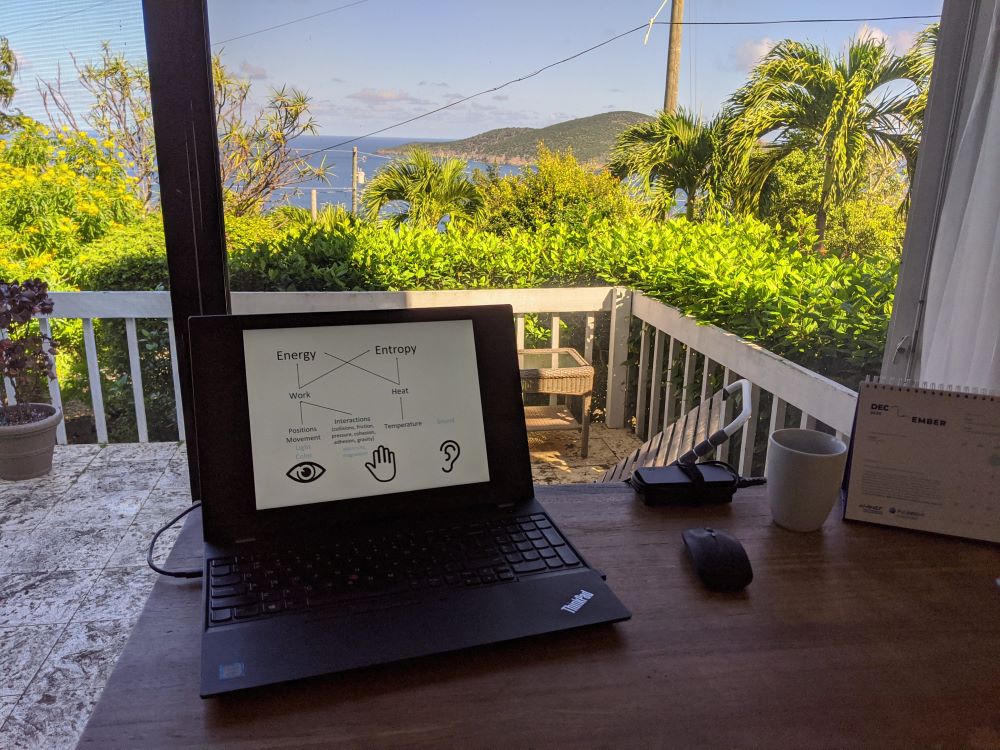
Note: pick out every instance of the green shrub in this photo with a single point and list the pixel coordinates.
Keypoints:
(133, 258)
(557, 189)
(59, 191)
(825, 312)
(867, 222)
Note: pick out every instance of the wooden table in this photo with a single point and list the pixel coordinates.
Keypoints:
(561, 371)
(855, 636)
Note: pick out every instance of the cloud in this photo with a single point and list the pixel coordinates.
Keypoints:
(378, 97)
(337, 80)
(609, 106)
(898, 41)
(616, 91)
(453, 96)
(439, 84)
(500, 97)
(750, 52)
(253, 72)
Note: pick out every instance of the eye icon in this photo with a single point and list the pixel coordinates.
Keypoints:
(307, 471)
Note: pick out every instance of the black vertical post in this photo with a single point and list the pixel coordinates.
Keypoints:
(187, 154)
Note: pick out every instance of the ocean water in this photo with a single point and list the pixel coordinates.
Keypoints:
(338, 163)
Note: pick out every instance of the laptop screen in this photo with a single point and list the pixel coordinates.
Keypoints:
(349, 411)
(307, 421)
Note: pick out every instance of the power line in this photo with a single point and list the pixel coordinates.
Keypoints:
(49, 21)
(792, 20)
(289, 23)
(606, 42)
(657, 23)
(478, 93)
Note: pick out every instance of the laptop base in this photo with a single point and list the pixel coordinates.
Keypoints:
(335, 640)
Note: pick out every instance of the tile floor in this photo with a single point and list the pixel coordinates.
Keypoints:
(73, 575)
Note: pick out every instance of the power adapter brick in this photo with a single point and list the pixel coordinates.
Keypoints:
(708, 483)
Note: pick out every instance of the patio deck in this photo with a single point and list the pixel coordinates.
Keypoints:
(73, 574)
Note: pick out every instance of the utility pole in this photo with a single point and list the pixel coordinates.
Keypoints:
(315, 207)
(673, 57)
(354, 180)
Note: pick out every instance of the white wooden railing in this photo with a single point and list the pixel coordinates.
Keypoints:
(669, 378)
(133, 306)
(670, 346)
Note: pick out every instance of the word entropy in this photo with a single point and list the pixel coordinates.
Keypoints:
(404, 350)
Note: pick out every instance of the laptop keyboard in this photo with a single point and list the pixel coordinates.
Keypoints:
(372, 568)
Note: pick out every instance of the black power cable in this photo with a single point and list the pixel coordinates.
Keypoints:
(194, 573)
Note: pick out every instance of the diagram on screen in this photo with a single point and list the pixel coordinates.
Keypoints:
(306, 379)
(355, 410)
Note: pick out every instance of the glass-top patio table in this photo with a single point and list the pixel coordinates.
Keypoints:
(557, 372)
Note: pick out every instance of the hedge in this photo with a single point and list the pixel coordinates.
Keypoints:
(825, 312)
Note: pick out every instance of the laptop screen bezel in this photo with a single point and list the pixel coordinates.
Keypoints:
(222, 421)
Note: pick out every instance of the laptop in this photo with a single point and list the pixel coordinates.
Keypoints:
(367, 494)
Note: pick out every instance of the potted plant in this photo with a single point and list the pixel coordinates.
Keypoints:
(27, 428)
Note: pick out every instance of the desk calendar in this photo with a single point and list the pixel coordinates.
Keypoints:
(926, 459)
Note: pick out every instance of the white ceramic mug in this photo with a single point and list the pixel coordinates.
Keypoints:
(804, 472)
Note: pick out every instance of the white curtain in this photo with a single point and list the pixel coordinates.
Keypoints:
(960, 339)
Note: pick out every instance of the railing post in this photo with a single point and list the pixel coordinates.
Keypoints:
(54, 392)
(175, 375)
(588, 338)
(642, 383)
(556, 322)
(778, 411)
(621, 313)
(94, 374)
(8, 384)
(135, 370)
(655, 381)
(669, 393)
(749, 434)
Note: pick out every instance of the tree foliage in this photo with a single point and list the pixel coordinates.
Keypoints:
(919, 62)
(556, 189)
(676, 151)
(59, 191)
(255, 151)
(256, 158)
(8, 69)
(120, 113)
(423, 191)
(867, 222)
(800, 96)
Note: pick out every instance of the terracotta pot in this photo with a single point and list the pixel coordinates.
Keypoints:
(26, 449)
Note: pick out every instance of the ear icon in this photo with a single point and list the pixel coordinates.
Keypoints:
(451, 453)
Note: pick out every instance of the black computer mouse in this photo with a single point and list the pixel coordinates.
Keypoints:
(719, 559)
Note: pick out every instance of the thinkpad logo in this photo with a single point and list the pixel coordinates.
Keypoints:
(576, 603)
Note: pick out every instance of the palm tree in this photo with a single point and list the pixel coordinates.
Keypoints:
(799, 96)
(675, 151)
(430, 188)
(919, 62)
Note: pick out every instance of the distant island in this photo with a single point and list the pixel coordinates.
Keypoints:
(591, 138)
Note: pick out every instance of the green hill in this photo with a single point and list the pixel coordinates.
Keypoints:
(591, 139)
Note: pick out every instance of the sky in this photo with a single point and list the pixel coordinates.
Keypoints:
(374, 63)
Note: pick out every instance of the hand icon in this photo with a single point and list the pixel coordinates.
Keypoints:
(382, 465)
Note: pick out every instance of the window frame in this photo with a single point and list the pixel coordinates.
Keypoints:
(957, 43)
